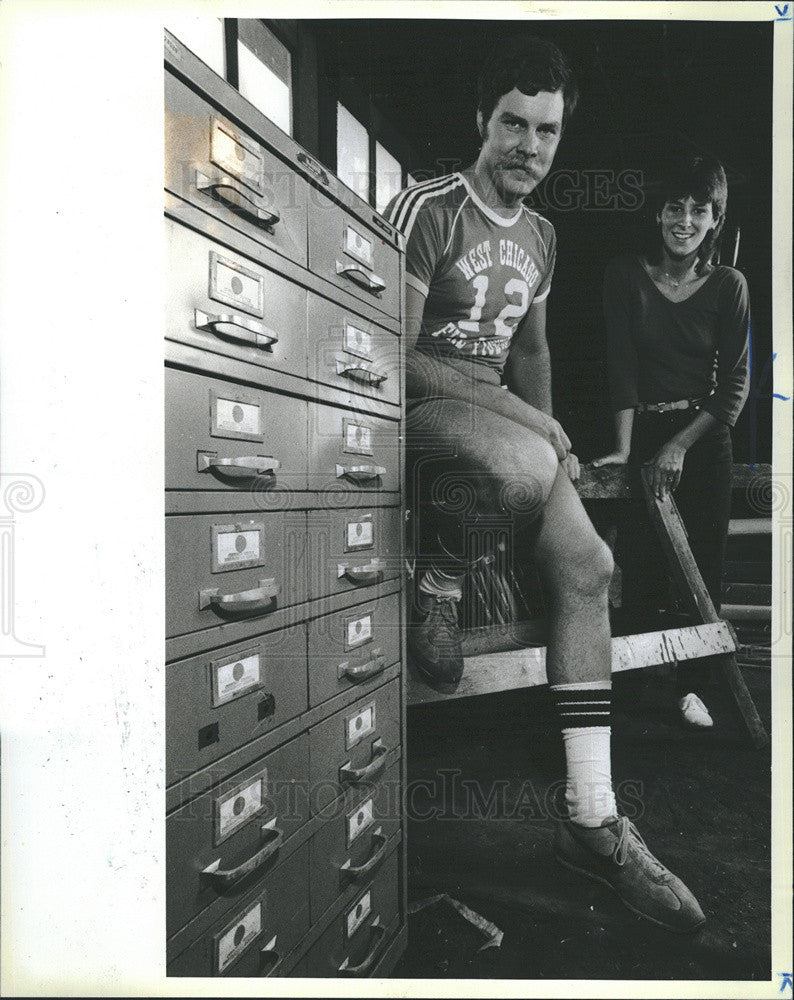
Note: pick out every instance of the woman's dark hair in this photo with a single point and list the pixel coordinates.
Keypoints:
(701, 178)
(530, 64)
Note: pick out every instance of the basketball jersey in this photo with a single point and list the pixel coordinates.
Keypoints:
(480, 273)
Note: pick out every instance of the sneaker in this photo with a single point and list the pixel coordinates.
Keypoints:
(694, 712)
(615, 854)
(434, 642)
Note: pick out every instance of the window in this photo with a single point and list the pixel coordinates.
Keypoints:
(352, 152)
(388, 177)
(203, 36)
(264, 68)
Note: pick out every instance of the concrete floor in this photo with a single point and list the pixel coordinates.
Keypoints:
(701, 801)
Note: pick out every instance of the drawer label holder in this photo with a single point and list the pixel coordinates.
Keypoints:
(357, 341)
(357, 437)
(236, 417)
(358, 631)
(236, 807)
(359, 725)
(358, 913)
(360, 819)
(232, 941)
(357, 246)
(237, 546)
(235, 285)
(235, 676)
(359, 534)
(237, 155)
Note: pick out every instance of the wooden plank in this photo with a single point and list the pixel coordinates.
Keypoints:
(747, 612)
(672, 534)
(521, 668)
(750, 526)
(622, 482)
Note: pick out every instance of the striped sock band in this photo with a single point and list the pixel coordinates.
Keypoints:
(584, 711)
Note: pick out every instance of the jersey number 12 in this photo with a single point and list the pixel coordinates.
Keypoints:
(515, 286)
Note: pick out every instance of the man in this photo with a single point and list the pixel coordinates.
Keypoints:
(478, 271)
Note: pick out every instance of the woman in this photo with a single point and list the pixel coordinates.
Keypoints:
(678, 348)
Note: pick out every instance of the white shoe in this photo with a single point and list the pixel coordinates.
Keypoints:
(694, 711)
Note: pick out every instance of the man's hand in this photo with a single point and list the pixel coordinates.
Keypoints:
(556, 437)
(666, 466)
(613, 458)
(571, 466)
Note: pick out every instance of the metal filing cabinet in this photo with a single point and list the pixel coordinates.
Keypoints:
(285, 682)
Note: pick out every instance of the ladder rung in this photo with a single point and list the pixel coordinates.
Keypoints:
(750, 526)
(521, 668)
(746, 612)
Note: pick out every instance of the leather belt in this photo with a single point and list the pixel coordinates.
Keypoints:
(678, 404)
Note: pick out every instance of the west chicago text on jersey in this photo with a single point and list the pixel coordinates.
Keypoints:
(510, 255)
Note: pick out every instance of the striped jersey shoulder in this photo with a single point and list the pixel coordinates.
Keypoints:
(542, 227)
(445, 194)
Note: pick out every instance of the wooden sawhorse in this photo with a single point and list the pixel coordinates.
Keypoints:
(507, 657)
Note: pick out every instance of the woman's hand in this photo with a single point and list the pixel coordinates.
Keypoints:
(666, 467)
(613, 458)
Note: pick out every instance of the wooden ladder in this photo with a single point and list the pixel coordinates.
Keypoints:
(507, 657)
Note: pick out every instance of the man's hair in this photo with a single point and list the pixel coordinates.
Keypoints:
(530, 64)
(702, 178)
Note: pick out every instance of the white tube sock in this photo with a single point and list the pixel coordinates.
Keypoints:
(584, 714)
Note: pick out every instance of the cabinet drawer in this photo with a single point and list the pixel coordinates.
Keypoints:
(351, 549)
(348, 253)
(349, 749)
(221, 844)
(350, 848)
(224, 171)
(354, 942)
(352, 648)
(261, 931)
(226, 567)
(352, 451)
(352, 353)
(224, 436)
(224, 698)
(221, 301)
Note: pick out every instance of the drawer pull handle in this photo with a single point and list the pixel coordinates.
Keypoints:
(364, 672)
(238, 328)
(221, 880)
(360, 473)
(314, 168)
(237, 468)
(358, 775)
(360, 373)
(354, 873)
(360, 575)
(361, 277)
(269, 958)
(261, 598)
(226, 191)
(365, 966)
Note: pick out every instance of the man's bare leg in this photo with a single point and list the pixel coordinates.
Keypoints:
(576, 566)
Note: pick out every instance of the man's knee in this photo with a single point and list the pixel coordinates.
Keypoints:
(584, 570)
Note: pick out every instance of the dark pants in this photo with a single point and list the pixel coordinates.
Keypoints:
(703, 498)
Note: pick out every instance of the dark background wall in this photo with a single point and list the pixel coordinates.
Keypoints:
(646, 88)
